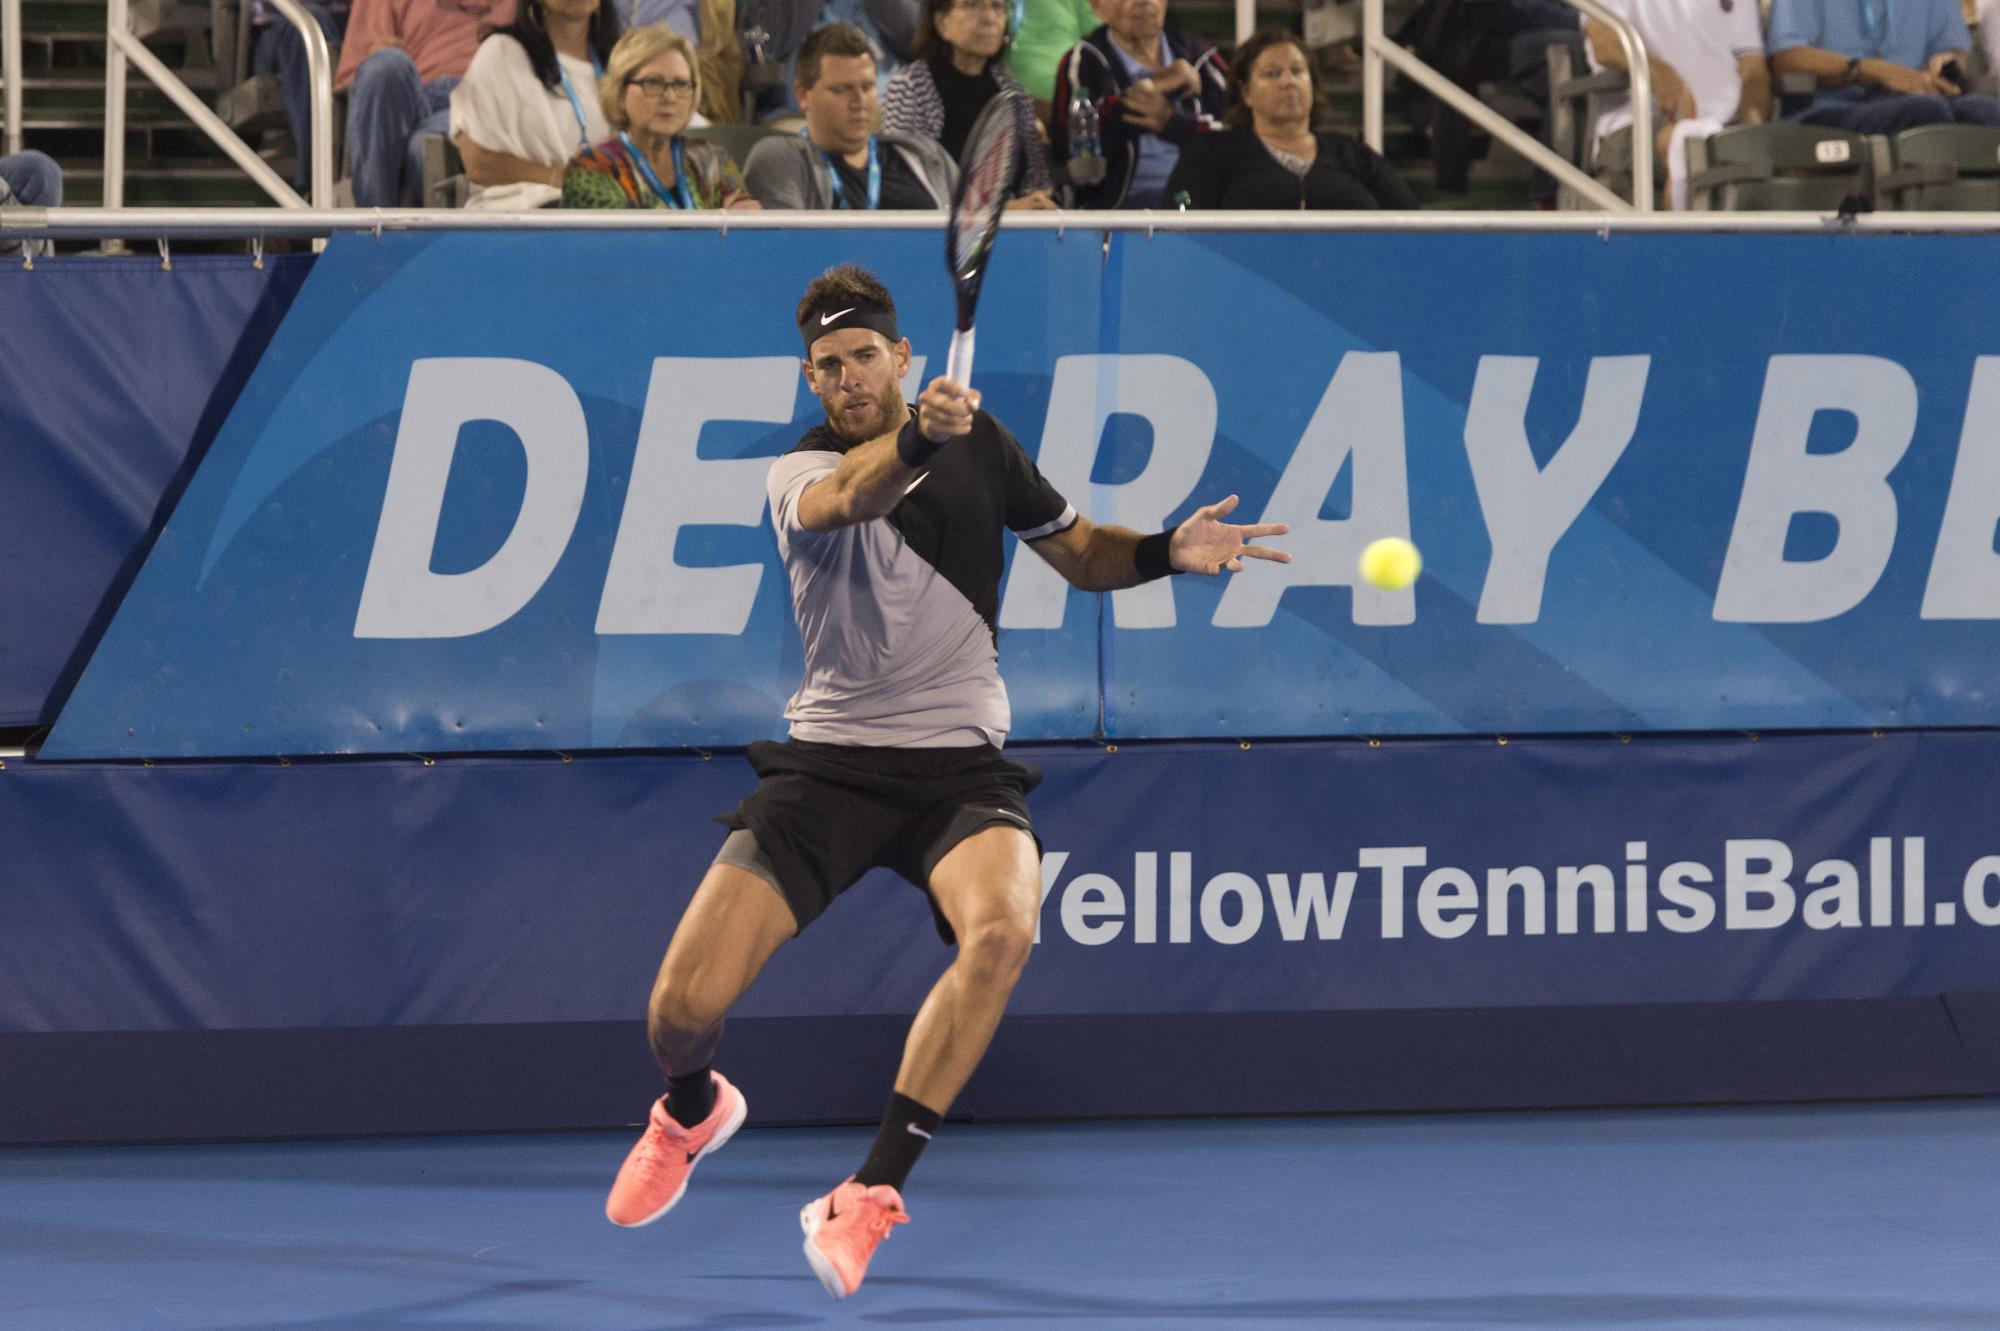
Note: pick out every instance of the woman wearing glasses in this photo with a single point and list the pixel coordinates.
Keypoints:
(648, 94)
(960, 66)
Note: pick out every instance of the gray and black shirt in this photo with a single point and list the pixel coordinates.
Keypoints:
(899, 613)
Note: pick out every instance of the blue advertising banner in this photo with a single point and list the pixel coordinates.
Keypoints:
(112, 372)
(1176, 878)
(506, 491)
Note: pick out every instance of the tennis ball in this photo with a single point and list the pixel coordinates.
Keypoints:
(1391, 564)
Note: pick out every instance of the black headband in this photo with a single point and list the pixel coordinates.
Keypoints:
(817, 324)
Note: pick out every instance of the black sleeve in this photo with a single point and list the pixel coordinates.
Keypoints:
(1034, 507)
(1201, 172)
(1383, 181)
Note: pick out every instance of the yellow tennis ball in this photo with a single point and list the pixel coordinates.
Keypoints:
(1391, 564)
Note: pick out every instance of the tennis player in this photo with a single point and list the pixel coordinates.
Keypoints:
(889, 520)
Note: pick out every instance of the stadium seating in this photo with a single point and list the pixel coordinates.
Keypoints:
(1780, 167)
(1576, 99)
(1941, 167)
(739, 139)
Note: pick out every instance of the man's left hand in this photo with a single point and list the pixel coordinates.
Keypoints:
(1147, 107)
(1206, 544)
(1935, 68)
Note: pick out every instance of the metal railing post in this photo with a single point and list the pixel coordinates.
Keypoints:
(1371, 73)
(1641, 75)
(10, 68)
(1377, 49)
(122, 48)
(117, 23)
(319, 82)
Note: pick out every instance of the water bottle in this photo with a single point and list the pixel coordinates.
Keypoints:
(1086, 148)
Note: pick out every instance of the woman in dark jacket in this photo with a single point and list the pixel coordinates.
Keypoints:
(1273, 155)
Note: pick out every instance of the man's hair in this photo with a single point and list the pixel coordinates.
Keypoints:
(833, 39)
(841, 286)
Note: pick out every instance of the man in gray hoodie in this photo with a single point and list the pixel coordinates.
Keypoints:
(841, 161)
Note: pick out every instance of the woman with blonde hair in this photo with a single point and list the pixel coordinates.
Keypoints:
(648, 94)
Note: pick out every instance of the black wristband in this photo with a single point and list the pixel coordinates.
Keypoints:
(1151, 556)
(912, 447)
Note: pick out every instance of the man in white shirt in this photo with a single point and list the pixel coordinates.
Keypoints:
(1706, 58)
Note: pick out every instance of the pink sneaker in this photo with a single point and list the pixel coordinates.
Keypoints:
(655, 1174)
(844, 1228)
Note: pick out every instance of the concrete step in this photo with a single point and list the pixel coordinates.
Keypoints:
(174, 185)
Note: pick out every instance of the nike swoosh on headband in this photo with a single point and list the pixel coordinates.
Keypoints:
(826, 319)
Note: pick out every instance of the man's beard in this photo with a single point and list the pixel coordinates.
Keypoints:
(890, 410)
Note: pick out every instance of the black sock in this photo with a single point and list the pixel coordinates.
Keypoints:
(906, 1129)
(691, 1097)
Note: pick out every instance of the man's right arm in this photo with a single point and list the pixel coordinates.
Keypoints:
(1670, 90)
(873, 478)
(868, 484)
(773, 173)
(1830, 69)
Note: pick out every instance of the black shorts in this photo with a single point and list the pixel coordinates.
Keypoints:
(825, 814)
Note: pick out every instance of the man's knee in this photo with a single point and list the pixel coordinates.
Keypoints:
(389, 68)
(1976, 109)
(678, 1006)
(1922, 109)
(996, 951)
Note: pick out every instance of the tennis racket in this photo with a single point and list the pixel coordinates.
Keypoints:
(993, 160)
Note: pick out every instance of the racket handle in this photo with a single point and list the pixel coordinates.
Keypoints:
(958, 361)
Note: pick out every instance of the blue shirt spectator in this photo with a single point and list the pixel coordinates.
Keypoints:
(1156, 155)
(683, 16)
(1882, 66)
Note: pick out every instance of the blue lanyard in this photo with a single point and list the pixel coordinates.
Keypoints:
(1875, 17)
(678, 196)
(874, 177)
(575, 102)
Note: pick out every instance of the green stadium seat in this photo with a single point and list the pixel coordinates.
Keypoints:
(739, 139)
(1943, 168)
(1784, 167)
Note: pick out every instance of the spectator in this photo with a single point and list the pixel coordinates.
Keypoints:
(525, 108)
(960, 67)
(1472, 42)
(32, 180)
(1148, 91)
(403, 58)
(1043, 33)
(840, 162)
(1881, 67)
(648, 94)
(1989, 37)
(1274, 152)
(710, 27)
(280, 50)
(1708, 70)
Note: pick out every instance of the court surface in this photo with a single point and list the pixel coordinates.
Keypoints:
(1879, 1216)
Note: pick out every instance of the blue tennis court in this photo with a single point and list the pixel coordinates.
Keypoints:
(1831, 1216)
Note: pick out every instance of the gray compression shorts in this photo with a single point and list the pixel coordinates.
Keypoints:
(741, 851)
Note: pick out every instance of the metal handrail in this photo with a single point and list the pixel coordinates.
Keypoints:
(254, 223)
(123, 46)
(10, 69)
(1377, 50)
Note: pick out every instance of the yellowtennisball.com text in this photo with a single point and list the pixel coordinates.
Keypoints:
(1396, 891)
